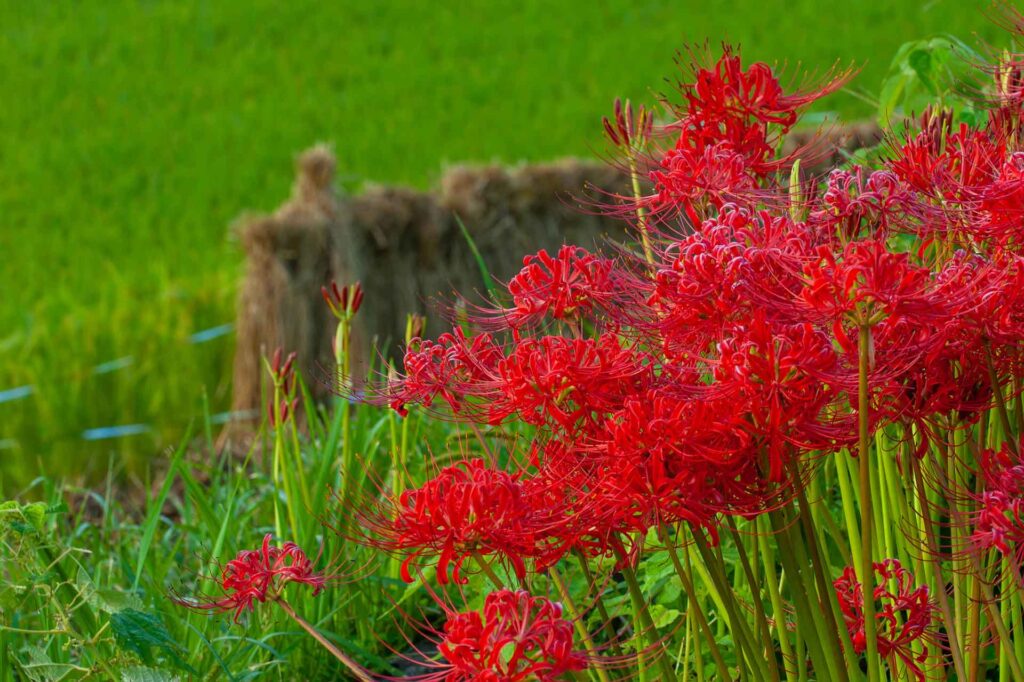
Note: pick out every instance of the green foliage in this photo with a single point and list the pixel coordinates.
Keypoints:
(934, 71)
(89, 578)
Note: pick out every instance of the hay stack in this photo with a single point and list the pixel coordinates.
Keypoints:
(287, 260)
(406, 248)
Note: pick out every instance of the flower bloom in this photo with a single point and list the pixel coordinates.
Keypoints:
(254, 575)
(566, 286)
(903, 614)
(999, 519)
(517, 637)
(465, 509)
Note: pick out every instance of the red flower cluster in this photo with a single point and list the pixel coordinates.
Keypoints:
(466, 509)
(565, 287)
(254, 575)
(729, 131)
(702, 379)
(903, 612)
(517, 637)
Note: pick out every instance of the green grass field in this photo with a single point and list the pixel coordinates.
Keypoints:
(133, 132)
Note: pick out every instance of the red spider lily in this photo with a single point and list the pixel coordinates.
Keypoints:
(726, 149)
(664, 459)
(453, 368)
(516, 637)
(726, 102)
(727, 91)
(691, 181)
(947, 165)
(466, 509)
(1002, 202)
(867, 283)
(853, 205)
(343, 302)
(569, 286)
(966, 184)
(254, 575)
(737, 262)
(999, 524)
(952, 378)
(903, 613)
(281, 373)
(567, 381)
(985, 296)
(776, 374)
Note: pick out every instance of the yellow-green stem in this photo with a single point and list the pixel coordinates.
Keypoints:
(778, 610)
(578, 623)
(485, 566)
(641, 214)
(867, 570)
(694, 602)
(755, 593)
(940, 582)
(643, 615)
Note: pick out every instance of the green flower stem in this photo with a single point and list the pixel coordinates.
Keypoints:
(643, 615)
(300, 467)
(602, 610)
(282, 478)
(974, 631)
(578, 623)
(807, 616)
(1004, 608)
(774, 594)
(867, 570)
(485, 566)
(641, 214)
(694, 603)
(714, 580)
(849, 499)
(938, 581)
(829, 605)
(768, 650)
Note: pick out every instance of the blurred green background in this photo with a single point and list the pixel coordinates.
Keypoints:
(135, 131)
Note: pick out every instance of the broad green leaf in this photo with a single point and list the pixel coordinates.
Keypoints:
(663, 617)
(140, 673)
(143, 634)
(38, 667)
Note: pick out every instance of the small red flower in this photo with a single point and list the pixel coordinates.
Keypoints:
(452, 367)
(567, 286)
(254, 575)
(518, 637)
(903, 613)
(467, 508)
